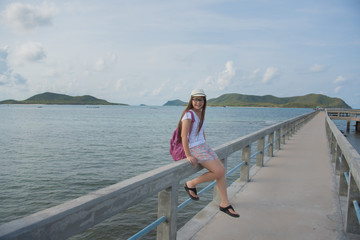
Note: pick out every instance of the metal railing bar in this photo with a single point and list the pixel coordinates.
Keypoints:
(207, 188)
(235, 168)
(357, 210)
(148, 228)
(346, 174)
(256, 153)
(184, 204)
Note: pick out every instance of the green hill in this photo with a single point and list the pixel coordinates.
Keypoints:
(176, 102)
(61, 99)
(307, 101)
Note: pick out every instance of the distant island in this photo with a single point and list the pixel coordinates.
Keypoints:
(61, 99)
(176, 102)
(242, 100)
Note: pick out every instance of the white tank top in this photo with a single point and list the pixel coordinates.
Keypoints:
(194, 138)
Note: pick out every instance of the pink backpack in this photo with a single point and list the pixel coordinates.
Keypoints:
(176, 148)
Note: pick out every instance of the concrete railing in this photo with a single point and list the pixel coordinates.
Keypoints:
(347, 167)
(75, 216)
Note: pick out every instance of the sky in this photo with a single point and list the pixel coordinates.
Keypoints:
(152, 51)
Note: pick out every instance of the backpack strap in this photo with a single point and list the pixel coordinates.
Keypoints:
(192, 120)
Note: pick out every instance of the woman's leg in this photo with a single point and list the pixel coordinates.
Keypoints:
(216, 172)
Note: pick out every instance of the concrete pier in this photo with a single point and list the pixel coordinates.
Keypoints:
(346, 114)
(292, 197)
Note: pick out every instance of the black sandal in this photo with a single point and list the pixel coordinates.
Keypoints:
(226, 210)
(187, 189)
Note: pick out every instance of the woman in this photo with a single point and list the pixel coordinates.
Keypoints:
(197, 151)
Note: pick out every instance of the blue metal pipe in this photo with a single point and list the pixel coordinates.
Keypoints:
(347, 177)
(357, 210)
(256, 153)
(235, 168)
(148, 228)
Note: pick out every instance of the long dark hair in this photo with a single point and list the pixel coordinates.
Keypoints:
(189, 107)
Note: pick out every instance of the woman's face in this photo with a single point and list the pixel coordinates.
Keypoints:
(198, 102)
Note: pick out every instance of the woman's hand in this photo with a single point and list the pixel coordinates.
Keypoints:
(193, 161)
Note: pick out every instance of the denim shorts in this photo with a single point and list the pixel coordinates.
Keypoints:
(203, 153)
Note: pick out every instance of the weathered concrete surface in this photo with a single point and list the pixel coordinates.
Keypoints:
(292, 197)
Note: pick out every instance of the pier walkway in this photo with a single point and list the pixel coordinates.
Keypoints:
(292, 197)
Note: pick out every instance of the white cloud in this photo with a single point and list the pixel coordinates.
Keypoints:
(120, 85)
(224, 78)
(51, 73)
(7, 76)
(104, 62)
(337, 89)
(4, 69)
(270, 73)
(100, 65)
(111, 56)
(3, 59)
(339, 79)
(4, 53)
(158, 90)
(143, 93)
(18, 79)
(25, 17)
(3, 80)
(317, 68)
(254, 73)
(31, 52)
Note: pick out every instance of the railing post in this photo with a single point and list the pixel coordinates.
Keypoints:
(288, 131)
(351, 221)
(294, 127)
(277, 139)
(333, 148)
(167, 206)
(260, 155)
(343, 185)
(338, 159)
(332, 144)
(291, 130)
(327, 130)
(244, 170)
(329, 133)
(334, 154)
(283, 133)
(298, 125)
(270, 150)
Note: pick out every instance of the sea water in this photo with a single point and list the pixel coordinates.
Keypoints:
(51, 154)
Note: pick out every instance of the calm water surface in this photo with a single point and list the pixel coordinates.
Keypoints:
(52, 154)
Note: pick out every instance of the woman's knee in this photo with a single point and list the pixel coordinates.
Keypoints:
(215, 167)
(219, 171)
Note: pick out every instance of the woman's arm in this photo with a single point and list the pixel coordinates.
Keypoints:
(185, 141)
